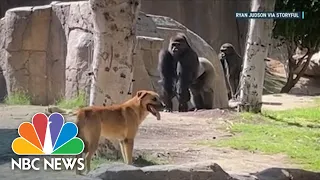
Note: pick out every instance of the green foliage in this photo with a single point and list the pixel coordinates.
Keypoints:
(18, 98)
(304, 30)
(74, 103)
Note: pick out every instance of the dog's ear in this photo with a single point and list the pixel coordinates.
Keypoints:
(141, 94)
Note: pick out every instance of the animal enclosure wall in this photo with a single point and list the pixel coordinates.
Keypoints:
(67, 44)
(213, 20)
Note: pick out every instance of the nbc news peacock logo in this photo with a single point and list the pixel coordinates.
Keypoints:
(47, 136)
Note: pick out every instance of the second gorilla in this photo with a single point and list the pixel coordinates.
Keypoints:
(182, 72)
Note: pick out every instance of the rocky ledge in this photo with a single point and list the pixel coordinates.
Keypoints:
(193, 171)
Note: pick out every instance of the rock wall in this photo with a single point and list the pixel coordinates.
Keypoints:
(9, 4)
(34, 56)
(47, 51)
(211, 19)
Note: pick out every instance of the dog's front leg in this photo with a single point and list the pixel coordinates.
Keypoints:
(128, 148)
(124, 156)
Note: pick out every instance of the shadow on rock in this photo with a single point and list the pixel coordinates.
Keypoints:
(6, 138)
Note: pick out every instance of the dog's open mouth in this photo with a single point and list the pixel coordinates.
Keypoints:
(153, 111)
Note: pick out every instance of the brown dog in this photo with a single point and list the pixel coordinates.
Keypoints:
(117, 122)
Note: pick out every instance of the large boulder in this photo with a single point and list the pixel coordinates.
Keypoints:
(314, 66)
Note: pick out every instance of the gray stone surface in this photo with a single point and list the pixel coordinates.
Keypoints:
(28, 63)
(56, 60)
(78, 61)
(191, 171)
(117, 171)
(314, 66)
(143, 78)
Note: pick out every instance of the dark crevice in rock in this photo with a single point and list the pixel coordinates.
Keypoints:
(79, 28)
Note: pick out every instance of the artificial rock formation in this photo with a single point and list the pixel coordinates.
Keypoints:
(31, 63)
(223, 27)
(56, 43)
(78, 61)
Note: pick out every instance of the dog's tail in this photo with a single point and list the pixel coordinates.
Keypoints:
(82, 116)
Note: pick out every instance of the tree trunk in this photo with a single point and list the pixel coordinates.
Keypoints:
(258, 41)
(291, 81)
(114, 39)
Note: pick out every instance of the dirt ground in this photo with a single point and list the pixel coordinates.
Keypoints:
(172, 139)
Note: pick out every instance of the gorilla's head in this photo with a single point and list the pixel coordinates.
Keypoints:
(227, 49)
(178, 44)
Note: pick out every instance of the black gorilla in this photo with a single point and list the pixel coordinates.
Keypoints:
(232, 66)
(178, 65)
(182, 72)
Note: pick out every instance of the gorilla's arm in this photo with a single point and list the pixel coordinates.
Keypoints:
(226, 71)
(167, 69)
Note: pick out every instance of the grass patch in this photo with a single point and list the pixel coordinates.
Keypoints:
(301, 117)
(294, 132)
(309, 117)
(74, 103)
(18, 98)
